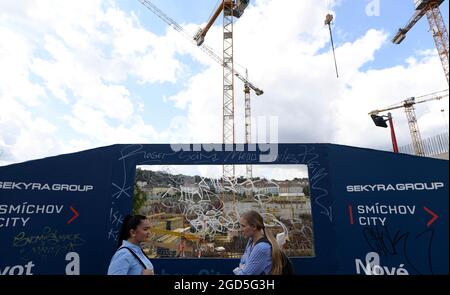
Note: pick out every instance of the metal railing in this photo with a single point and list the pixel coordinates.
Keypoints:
(432, 146)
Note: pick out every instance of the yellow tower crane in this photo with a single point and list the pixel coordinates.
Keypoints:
(198, 40)
(437, 27)
(408, 104)
(230, 8)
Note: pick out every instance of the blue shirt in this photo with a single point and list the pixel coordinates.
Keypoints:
(257, 259)
(124, 263)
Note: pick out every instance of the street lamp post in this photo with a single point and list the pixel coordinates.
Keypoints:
(380, 121)
(393, 138)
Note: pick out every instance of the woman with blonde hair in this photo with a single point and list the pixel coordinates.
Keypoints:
(262, 254)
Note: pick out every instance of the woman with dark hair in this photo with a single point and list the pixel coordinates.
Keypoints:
(129, 258)
(262, 255)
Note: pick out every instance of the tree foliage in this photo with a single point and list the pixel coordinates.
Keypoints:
(306, 190)
(139, 199)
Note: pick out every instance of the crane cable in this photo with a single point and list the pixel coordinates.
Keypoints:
(328, 20)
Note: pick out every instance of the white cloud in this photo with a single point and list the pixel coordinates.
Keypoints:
(23, 136)
(299, 81)
(77, 67)
(377, 89)
(20, 130)
(15, 54)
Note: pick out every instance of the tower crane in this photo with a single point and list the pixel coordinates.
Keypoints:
(238, 9)
(230, 8)
(437, 26)
(408, 104)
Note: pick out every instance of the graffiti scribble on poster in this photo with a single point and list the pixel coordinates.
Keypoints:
(196, 216)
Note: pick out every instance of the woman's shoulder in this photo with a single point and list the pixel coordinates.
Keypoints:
(263, 241)
(122, 253)
(263, 245)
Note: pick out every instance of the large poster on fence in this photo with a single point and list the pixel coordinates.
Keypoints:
(340, 209)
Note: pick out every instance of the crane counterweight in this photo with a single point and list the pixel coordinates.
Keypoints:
(239, 8)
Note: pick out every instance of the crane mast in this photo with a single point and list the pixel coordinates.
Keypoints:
(228, 84)
(248, 125)
(414, 127)
(440, 35)
(231, 9)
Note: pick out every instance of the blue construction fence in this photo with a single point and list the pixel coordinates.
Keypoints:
(373, 212)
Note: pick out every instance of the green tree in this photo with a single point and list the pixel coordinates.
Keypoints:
(306, 190)
(139, 199)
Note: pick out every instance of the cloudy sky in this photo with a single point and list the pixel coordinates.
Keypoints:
(81, 74)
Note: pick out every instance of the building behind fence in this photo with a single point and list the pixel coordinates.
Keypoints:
(433, 146)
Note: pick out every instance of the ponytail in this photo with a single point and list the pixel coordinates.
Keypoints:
(255, 219)
(277, 255)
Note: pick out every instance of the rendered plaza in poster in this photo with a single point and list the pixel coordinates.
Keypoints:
(194, 212)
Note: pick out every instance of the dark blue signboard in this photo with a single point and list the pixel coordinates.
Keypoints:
(373, 212)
